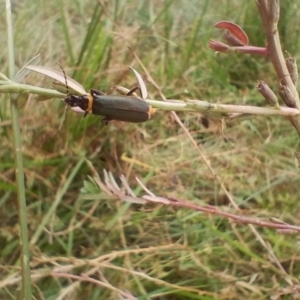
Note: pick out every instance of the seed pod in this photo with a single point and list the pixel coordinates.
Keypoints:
(287, 96)
(268, 94)
(292, 67)
(232, 39)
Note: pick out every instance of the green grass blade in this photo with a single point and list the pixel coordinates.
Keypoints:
(22, 208)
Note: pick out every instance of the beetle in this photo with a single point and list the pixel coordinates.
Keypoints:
(126, 108)
(121, 108)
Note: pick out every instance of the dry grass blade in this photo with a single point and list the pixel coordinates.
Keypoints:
(141, 83)
(112, 187)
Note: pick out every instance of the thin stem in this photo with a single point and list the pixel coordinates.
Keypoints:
(20, 88)
(26, 280)
(168, 105)
(269, 12)
(212, 108)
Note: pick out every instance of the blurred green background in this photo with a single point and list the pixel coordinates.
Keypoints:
(106, 249)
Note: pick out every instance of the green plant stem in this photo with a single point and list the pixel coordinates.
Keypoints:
(212, 108)
(26, 278)
(169, 105)
(20, 88)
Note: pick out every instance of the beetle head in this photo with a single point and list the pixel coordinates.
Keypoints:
(77, 101)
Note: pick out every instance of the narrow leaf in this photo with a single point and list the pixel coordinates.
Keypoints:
(141, 83)
(59, 77)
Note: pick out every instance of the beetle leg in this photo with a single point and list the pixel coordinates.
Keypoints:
(106, 120)
(96, 92)
(133, 90)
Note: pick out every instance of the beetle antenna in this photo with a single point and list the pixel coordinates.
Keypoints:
(134, 90)
(62, 121)
(66, 106)
(66, 81)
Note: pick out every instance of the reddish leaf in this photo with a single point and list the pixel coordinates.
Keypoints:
(234, 29)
